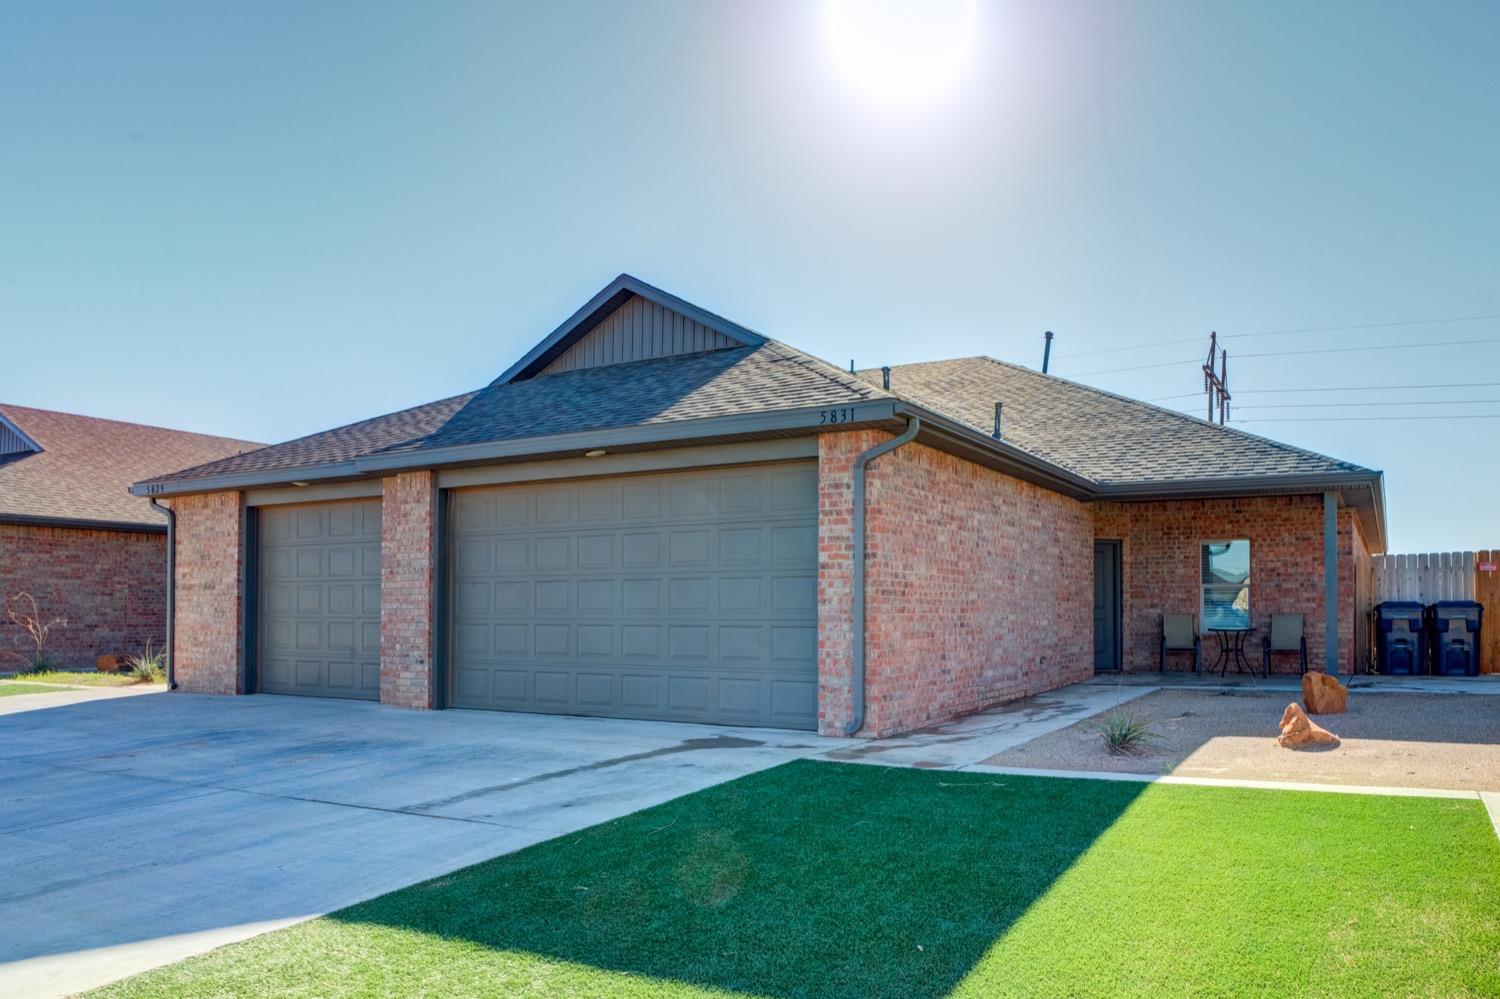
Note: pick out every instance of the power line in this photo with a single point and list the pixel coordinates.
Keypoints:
(1301, 353)
(1340, 388)
(1368, 419)
(1383, 346)
(1138, 367)
(1392, 402)
(1311, 329)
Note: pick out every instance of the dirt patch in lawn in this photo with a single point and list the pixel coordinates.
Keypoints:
(1389, 740)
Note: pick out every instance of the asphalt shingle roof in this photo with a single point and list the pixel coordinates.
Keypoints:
(1109, 438)
(766, 378)
(86, 466)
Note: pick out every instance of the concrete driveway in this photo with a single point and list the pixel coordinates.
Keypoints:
(138, 830)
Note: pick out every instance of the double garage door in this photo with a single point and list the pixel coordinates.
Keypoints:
(684, 596)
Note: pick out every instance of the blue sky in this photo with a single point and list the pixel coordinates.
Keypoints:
(399, 199)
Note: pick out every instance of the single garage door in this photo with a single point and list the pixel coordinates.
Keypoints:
(319, 600)
(685, 596)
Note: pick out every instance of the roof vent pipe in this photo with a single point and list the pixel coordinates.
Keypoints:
(1046, 353)
(885, 378)
(998, 407)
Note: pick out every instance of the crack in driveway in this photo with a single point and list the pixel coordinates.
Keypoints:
(685, 746)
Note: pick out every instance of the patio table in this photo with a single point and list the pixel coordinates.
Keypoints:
(1231, 650)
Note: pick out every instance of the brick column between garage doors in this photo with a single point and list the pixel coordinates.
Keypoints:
(408, 538)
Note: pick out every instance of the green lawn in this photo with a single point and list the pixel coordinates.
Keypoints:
(80, 678)
(10, 689)
(818, 879)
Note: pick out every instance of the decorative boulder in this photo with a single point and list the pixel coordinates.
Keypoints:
(1297, 730)
(108, 664)
(1324, 695)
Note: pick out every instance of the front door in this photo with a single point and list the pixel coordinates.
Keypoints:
(1106, 606)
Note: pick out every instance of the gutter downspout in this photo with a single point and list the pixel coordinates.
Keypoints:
(171, 590)
(913, 424)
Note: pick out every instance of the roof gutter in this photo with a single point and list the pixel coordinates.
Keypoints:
(787, 422)
(861, 463)
(1314, 482)
(81, 523)
(1307, 483)
(171, 592)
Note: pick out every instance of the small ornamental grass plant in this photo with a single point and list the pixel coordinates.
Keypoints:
(1126, 734)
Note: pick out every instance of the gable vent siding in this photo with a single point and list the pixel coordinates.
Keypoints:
(12, 442)
(638, 331)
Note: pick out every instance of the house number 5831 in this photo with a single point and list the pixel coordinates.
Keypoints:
(843, 415)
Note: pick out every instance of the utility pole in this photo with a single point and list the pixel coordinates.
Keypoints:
(1216, 379)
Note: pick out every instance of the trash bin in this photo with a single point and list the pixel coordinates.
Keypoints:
(1399, 646)
(1454, 628)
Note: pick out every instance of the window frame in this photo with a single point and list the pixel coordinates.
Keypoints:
(1203, 588)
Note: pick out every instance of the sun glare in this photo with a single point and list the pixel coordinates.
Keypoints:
(900, 51)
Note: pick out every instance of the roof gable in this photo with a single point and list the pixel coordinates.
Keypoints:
(14, 440)
(629, 320)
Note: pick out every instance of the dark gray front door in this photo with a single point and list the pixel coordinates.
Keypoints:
(685, 596)
(1106, 605)
(319, 600)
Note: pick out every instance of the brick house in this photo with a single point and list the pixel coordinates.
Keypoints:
(73, 537)
(657, 513)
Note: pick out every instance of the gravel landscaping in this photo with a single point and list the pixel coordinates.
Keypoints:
(1389, 740)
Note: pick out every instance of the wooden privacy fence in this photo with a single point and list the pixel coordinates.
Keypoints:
(1446, 576)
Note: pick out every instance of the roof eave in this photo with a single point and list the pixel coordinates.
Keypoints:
(84, 523)
(1363, 489)
(776, 423)
(1302, 482)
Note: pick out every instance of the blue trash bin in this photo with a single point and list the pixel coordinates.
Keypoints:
(1453, 626)
(1399, 646)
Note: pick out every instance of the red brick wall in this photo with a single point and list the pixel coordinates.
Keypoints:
(407, 546)
(110, 585)
(1160, 559)
(978, 587)
(210, 592)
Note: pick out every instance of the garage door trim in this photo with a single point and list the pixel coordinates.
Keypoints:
(772, 617)
(359, 584)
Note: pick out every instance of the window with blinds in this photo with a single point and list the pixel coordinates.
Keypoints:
(1226, 583)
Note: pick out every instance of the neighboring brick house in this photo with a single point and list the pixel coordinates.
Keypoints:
(73, 537)
(655, 514)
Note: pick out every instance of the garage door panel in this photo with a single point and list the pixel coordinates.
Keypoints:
(685, 596)
(318, 600)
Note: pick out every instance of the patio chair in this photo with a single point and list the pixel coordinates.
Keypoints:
(1286, 636)
(1179, 633)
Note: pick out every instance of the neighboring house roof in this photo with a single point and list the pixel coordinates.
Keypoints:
(61, 468)
(1080, 440)
(1108, 438)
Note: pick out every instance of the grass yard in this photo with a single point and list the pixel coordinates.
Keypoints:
(10, 688)
(81, 678)
(817, 879)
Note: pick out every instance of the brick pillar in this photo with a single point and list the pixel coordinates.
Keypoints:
(836, 454)
(210, 593)
(408, 540)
